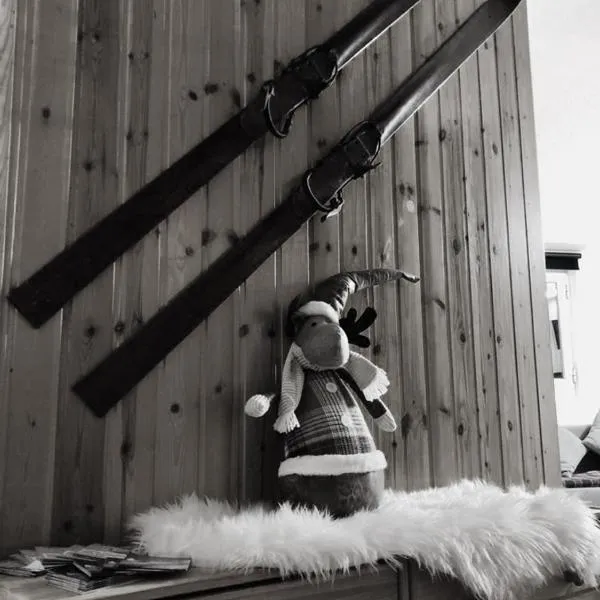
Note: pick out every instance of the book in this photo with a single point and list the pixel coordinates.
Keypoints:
(19, 569)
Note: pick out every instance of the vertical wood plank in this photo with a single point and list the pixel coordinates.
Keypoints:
(289, 158)
(545, 382)
(147, 155)
(501, 329)
(414, 429)
(129, 460)
(487, 407)
(387, 350)
(442, 417)
(324, 127)
(460, 309)
(79, 502)
(519, 259)
(223, 409)
(45, 55)
(8, 22)
(354, 242)
(178, 401)
(255, 353)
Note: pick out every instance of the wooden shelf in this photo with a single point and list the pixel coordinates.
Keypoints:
(384, 584)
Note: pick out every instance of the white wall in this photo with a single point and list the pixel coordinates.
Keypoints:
(565, 55)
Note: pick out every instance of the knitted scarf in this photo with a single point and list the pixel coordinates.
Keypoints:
(370, 379)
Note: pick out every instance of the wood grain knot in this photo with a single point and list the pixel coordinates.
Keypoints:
(406, 424)
(376, 349)
(119, 327)
(244, 330)
(192, 95)
(236, 97)
(211, 88)
(91, 331)
(208, 236)
(45, 113)
(175, 408)
(126, 447)
(460, 429)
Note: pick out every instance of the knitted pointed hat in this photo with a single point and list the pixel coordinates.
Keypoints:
(329, 297)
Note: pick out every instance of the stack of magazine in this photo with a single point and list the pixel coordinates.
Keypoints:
(86, 568)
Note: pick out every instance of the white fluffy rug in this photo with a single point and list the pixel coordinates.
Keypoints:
(500, 544)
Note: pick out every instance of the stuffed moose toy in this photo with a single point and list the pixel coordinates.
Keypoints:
(331, 461)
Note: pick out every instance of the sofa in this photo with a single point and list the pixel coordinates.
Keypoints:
(580, 465)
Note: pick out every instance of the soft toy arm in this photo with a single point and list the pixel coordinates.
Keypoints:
(258, 405)
(381, 415)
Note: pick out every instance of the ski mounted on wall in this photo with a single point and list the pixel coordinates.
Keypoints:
(51, 287)
(320, 191)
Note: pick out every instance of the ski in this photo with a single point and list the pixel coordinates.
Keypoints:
(43, 294)
(319, 192)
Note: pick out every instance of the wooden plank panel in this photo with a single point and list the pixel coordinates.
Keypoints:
(382, 235)
(255, 350)
(79, 501)
(414, 431)
(324, 130)
(519, 260)
(424, 587)
(287, 160)
(442, 417)
(545, 382)
(129, 461)
(382, 585)
(460, 309)
(486, 389)
(501, 329)
(177, 409)
(354, 241)
(45, 56)
(148, 153)
(222, 409)
(8, 21)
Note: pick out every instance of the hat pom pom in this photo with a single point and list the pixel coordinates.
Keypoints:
(258, 405)
(286, 423)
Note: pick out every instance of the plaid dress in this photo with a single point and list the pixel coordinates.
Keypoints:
(331, 421)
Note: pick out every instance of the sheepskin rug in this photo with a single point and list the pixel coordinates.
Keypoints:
(499, 543)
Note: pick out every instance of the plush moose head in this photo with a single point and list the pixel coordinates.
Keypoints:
(315, 320)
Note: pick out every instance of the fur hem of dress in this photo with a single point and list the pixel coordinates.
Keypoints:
(333, 464)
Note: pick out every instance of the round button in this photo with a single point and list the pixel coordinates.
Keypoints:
(346, 420)
(331, 387)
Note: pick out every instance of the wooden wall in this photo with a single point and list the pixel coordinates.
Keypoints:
(97, 96)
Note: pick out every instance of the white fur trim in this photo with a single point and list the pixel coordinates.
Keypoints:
(316, 308)
(333, 464)
(502, 544)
